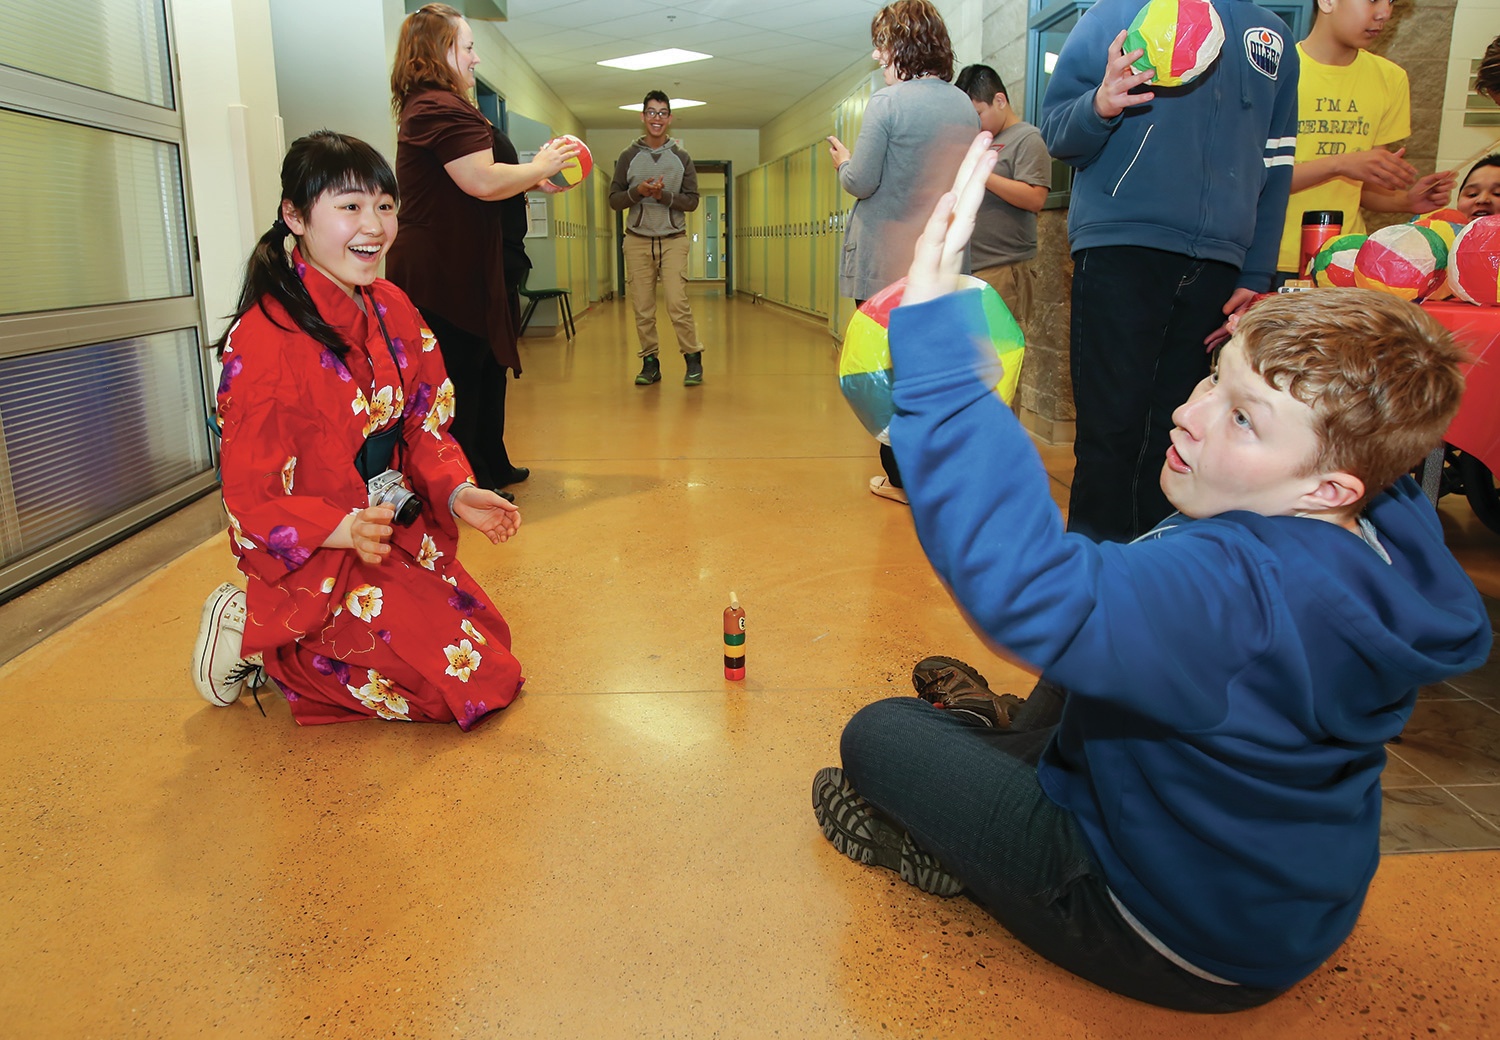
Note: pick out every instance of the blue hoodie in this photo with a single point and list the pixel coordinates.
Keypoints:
(1204, 169)
(1233, 680)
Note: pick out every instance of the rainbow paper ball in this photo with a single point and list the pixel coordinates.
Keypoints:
(576, 168)
(1181, 38)
(1334, 264)
(1452, 216)
(865, 360)
(1404, 260)
(1474, 264)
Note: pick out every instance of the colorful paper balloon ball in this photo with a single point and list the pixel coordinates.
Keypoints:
(1404, 260)
(576, 168)
(1474, 264)
(1181, 38)
(1334, 264)
(865, 360)
(1452, 216)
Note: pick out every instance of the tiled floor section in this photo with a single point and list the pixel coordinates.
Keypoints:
(629, 850)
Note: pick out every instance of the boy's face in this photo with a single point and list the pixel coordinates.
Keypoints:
(1480, 195)
(992, 115)
(1355, 23)
(1238, 444)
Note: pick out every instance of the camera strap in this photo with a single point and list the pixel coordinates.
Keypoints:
(375, 455)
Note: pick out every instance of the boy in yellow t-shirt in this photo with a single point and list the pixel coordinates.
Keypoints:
(1350, 104)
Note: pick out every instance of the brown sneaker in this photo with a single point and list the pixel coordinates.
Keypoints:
(949, 683)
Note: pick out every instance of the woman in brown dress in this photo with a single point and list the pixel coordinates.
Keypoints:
(450, 257)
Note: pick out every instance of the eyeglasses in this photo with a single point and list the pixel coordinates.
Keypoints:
(658, 113)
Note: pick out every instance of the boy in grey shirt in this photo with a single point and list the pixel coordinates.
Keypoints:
(1004, 241)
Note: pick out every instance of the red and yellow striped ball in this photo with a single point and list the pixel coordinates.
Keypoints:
(1181, 38)
(1474, 265)
(1334, 264)
(576, 168)
(865, 359)
(1404, 260)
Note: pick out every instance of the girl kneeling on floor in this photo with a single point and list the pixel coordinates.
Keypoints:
(341, 481)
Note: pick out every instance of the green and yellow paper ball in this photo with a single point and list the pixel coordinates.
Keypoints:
(1334, 264)
(865, 361)
(1181, 39)
(576, 168)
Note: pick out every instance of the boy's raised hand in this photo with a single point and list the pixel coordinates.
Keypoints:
(1113, 95)
(939, 254)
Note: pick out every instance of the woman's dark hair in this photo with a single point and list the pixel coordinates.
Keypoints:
(421, 62)
(913, 34)
(1492, 159)
(323, 161)
(1487, 79)
(981, 83)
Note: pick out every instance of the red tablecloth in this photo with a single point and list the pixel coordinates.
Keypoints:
(1476, 429)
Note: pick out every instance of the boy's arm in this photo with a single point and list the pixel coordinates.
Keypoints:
(684, 198)
(1260, 259)
(621, 194)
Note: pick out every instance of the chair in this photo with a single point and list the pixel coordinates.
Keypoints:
(536, 296)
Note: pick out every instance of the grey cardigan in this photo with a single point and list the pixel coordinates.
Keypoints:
(911, 142)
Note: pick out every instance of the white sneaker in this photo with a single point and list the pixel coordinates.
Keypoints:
(883, 487)
(219, 672)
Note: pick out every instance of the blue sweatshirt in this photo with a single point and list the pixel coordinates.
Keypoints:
(1204, 169)
(1233, 679)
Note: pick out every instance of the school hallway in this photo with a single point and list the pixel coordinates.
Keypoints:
(629, 850)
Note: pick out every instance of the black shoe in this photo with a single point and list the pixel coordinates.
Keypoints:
(694, 375)
(948, 683)
(858, 830)
(516, 476)
(505, 495)
(650, 371)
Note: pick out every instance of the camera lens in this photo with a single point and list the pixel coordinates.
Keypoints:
(408, 511)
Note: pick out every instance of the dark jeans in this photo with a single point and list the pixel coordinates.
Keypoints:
(971, 797)
(1139, 320)
(478, 400)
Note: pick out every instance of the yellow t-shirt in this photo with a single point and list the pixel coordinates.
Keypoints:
(1342, 108)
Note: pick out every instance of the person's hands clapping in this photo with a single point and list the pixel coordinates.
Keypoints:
(651, 187)
(370, 533)
(939, 255)
(488, 513)
(1113, 95)
(1378, 168)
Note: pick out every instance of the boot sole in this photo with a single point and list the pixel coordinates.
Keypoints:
(851, 827)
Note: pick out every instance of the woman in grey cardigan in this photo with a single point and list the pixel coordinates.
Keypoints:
(911, 142)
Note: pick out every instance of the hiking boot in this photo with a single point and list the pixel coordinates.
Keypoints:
(694, 375)
(220, 674)
(650, 371)
(858, 830)
(948, 683)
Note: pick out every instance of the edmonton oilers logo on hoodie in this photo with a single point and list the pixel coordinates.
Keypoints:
(1263, 49)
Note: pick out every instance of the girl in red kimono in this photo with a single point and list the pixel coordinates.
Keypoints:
(357, 604)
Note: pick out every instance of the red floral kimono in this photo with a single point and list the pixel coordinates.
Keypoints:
(413, 638)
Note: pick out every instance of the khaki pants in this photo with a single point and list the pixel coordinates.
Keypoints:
(1014, 284)
(647, 261)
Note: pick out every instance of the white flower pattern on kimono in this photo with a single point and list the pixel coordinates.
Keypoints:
(382, 407)
(380, 696)
(429, 554)
(442, 409)
(364, 602)
(472, 632)
(429, 341)
(327, 586)
(359, 406)
(288, 474)
(238, 533)
(463, 660)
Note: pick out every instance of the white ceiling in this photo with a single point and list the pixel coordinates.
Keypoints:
(767, 54)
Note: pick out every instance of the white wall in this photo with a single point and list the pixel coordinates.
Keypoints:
(1475, 24)
(332, 69)
(229, 111)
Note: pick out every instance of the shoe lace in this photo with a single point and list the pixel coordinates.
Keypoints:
(253, 675)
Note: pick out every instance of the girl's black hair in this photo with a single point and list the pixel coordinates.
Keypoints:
(1493, 159)
(322, 161)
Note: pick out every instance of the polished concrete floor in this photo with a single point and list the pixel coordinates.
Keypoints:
(629, 850)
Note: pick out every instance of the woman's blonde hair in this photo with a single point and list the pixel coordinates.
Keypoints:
(427, 35)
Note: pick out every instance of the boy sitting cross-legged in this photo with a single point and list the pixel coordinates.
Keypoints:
(1187, 809)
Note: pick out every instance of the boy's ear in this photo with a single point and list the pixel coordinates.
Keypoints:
(1335, 491)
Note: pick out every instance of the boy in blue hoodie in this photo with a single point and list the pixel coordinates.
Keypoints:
(1187, 810)
(1174, 220)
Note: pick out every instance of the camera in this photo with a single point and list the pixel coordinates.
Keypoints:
(386, 489)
